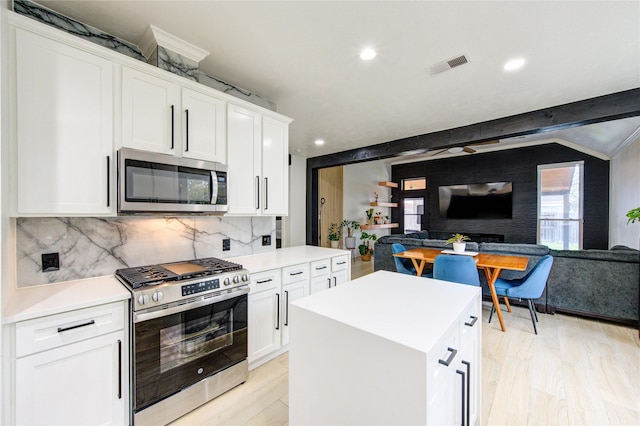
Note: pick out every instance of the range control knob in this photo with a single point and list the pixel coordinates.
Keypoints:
(236, 279)
(144, 298)
(245, 277)
(227, 281)
(157, 296)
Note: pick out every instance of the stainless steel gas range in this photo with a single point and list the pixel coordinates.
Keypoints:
(188, 335)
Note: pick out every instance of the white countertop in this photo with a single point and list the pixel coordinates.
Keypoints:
(397, 307)
(36, 301)
(286, 257)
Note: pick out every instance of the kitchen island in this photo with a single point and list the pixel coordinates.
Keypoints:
(386, 348)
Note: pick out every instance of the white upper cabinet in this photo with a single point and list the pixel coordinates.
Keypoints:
(64, 129)
(205, 124)
(275, 166)
(161, 116)
(258, 184)
(149, 108)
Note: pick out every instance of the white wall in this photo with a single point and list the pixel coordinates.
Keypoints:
(360, 184)
(625, 195)
(294, 226)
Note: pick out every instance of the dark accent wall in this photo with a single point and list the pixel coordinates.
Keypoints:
(520, 167)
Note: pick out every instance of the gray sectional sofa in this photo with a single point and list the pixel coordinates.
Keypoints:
(594, 283)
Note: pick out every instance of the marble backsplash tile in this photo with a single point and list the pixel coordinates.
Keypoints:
(90, 247)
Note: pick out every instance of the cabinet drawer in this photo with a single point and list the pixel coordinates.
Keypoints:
(470, 320)
(447, 349)
(338, 263)
(57, 330)
(265, 280)
(295, 273)
(320, 267)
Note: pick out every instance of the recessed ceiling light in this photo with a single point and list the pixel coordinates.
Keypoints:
(319, 142)
(367, 54)
(514, 64)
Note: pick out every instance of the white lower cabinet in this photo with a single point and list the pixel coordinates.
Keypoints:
(295, 285)
(264, 314)
(327, 273)
(72, 368)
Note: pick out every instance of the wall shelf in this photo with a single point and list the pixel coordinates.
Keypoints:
(388, 184)
(381, 226)
(382, 204)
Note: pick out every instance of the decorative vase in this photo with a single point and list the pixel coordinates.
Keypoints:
(334, 244)
(459, 247)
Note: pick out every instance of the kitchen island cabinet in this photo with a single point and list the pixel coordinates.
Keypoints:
(386, 348)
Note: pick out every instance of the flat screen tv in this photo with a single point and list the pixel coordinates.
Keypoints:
(476, 201)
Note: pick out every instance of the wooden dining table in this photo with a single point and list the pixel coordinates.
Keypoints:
(493, 265)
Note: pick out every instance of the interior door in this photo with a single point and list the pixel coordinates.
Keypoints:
(330, 201)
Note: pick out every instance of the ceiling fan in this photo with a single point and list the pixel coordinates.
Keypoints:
(467, 148)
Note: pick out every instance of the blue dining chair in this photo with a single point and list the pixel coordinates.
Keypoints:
(528, 287)
(456, 268)
(405, 266)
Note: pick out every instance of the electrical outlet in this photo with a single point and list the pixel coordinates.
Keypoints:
(266, 240)
(226, 244)
(50, 262)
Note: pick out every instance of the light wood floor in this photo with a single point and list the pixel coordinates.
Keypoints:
(574, 372)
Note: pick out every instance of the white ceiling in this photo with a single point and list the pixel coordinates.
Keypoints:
(304, 56)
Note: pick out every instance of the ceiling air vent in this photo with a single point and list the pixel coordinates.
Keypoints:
(447, 65)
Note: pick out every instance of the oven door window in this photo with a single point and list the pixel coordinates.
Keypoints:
(177, 350)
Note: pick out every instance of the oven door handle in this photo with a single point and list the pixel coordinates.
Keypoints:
(145, 316)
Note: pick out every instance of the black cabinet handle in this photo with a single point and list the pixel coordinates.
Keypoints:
(266, 193)
(296, 273)
(119, 369)
(473, 321)
(321, 267)
(468, 364)
(286, 303)
(329, 279)
(186, 112)
(278, 310)
(335, 281)
(340, 263)
(451, 357)
(462, 402)
(264, 281)
(172, 127)
(108, 181)
(258, 197)
(62, 329)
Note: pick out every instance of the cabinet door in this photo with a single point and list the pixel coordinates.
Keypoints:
(64, 116)
(264, 319)
(243, 156)
(275, 167)
(290, 293)
(319, 283)
(78, 384)
(339, 277)
(470, 357)
(204, 122)
(151, 119)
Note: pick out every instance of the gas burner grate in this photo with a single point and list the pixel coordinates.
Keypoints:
(216, 265)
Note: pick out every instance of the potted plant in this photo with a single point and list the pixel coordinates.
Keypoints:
(369, 214)
(458, 241)
(349, 240)
(633, 215)
(335, 232)
(365, 248)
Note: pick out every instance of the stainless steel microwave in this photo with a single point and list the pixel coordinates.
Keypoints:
(161, 183)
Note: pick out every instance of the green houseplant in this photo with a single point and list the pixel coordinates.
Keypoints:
(458, 241)
(365, 248)
(335, 233)
(633, 215)
(350, 240)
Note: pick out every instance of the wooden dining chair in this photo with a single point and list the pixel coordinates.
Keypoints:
(456, 268)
